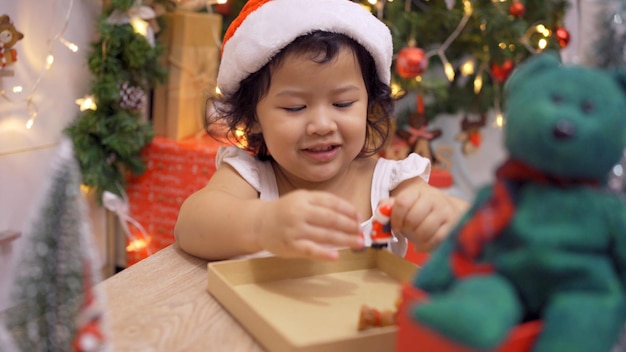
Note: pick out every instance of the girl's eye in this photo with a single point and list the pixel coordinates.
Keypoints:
(294, 109)
(344, 105)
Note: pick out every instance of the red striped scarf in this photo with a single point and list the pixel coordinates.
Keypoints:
(494, 215)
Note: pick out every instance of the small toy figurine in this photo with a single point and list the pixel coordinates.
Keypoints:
(371, 318)
(8, 37)
(417, 135)
(381, 227)
(547, 240)
(470, 136)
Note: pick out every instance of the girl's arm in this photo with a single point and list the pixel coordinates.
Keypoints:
(227, 219)
(219, 220)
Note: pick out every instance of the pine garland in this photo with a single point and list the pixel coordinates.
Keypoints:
(109, 140)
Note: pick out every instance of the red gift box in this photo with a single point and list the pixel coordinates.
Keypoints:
(175, 169)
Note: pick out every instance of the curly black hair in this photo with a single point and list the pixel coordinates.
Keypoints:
(237, 111)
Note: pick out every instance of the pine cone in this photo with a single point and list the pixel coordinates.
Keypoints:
(132, 97)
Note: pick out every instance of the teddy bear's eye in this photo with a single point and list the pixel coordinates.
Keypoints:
(586, 107)
(556, 98)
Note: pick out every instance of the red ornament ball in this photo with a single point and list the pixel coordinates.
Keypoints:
(501, 72)
(562, 36)
(411, 62)
(223, 9)
(517, 9)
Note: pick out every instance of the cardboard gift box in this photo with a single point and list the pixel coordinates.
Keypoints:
(175, 169)
(309, 305)
(192, 57)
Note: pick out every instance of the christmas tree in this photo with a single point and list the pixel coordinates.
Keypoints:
(459, 53)
(54, 306)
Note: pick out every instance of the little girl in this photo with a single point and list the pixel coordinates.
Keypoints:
(307, 82)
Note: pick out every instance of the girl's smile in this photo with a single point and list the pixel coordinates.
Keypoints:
(314, 116)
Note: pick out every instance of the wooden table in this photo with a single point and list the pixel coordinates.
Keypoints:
(161, 304)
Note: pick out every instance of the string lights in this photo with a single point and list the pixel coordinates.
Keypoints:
(31, 106)
(486, 65)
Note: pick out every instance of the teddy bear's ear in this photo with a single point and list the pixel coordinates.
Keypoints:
(531, 66)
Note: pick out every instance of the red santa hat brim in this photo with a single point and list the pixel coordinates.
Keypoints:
(264, 27)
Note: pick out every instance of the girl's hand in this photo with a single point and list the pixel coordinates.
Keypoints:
(424, 214)
(306, 223)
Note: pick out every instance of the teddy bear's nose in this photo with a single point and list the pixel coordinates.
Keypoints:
(563, 130)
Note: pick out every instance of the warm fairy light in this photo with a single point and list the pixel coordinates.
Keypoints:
(49, 61)
(73, 47)
(136, 245)
(30, 122)
(84, 189)
(449, 70)
(395, 89)
(543, 30)
(542, 43)
(467, 68)
(222, 2)
(239, 132)
(139, 26)
(218, 91)
(478, 84)
(372, 2)
(467, 7)
(499, 120)
(87, 103)
(17, 89)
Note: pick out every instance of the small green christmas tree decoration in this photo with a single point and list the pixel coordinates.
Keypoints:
(125, 63)
(54, 306)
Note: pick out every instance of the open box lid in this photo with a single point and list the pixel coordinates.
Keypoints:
(311, 305)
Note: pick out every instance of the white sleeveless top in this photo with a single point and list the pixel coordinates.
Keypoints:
(388, 174)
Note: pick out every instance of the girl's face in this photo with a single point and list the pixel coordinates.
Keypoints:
(313, 118)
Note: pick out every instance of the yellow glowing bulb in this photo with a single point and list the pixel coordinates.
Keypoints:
(499, 120)
(542, 43)
(73, 47)
(218, 91)
(17, 89)
(372, 2)
(449, 70)
(139, 26)
(84, 189)
(87, 103)
(30, 122)
(467, 68)
(467, 7)
(49, 61)
(478, 84)
(137, 245)
(221, 2)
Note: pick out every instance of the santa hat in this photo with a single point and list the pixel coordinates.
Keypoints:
(264, 27)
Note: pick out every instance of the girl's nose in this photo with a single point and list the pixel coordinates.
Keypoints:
(321, 122)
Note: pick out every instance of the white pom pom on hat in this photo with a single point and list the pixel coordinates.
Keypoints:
(264, 27)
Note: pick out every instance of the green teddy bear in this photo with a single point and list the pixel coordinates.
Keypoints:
(546, 240)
